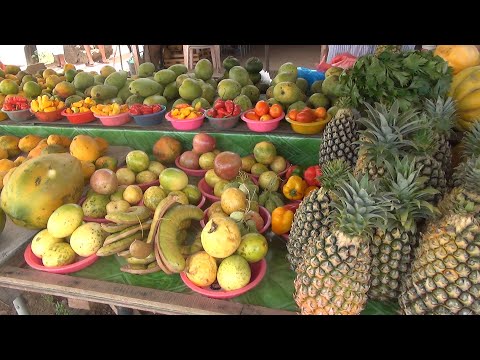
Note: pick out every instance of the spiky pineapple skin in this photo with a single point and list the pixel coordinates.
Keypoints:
(445, 275)
(338, 140)
(392, 252)
(432, 169)
(310, 219)
(333, 278)
(444, 154)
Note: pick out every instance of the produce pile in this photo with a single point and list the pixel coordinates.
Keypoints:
(390, 213)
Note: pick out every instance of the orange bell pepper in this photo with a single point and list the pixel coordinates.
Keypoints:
(282, 219)
(295, 187)
(309, 189)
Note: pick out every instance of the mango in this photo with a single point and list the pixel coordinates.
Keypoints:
(145, 87)
(239, 74)
(155, 99)
(87, 239)
(190, 89)
(204, 69)
(146, 69)
(117, 79)
(165, 76)
(229, 89)
(59, 254)
(178, 69)
(103, 92)
(42, 241)
(83, 80)
(107, 70)
(65, 220)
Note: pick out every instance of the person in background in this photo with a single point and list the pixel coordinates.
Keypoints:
(89, 55)
(330, 51)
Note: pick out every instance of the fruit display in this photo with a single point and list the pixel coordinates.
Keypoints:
(184, 111)
(264, 112)
(141, 109)
(14, 103)
(47, 104)
(389, 214)
(224, 109)
(81, 106)
(110, 109)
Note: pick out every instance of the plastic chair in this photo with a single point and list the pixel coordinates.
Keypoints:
(214, 51)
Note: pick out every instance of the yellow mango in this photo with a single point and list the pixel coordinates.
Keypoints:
(50, 109)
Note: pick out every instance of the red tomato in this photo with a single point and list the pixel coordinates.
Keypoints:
(219, 103)
(306, 116)
(237, 110)
(251, 115)
(212, 112)
(276, 111)
(262, 108)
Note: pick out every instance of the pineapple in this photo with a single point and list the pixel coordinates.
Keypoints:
(334, 276)
(424, 147)
(445, 275)
(471, 147)
(312, 216)
(442, 114)
(392, 248)
(340, 136)
(385, 135)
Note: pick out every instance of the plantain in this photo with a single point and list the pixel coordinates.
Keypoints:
(119, 245)
(168, 247)
(136, 261)
(112, 228)
(132, 216)
(196, 246)
(127, 232)
(125, 253)
(140, 270)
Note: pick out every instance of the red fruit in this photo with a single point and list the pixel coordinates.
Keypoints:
(203, 143)
(227, 164)
(212, 112)
(222, 112)
(156, 108)
(189, 160)
(237, 110)
(229, 106)
(135, 111)
(219, 104)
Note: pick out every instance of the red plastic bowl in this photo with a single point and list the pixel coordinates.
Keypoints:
(79, 118)
(114, 120)
(267, 218)
(258, 272)
(285, 237)
(49, 116)
(263, 126)
(207, 191)
(186, 125)
(191, 172)
(145, 186)
(36, 263)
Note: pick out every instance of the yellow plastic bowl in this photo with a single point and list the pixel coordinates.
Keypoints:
(308, 128)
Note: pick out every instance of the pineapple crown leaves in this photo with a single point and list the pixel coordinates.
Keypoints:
(405, 188)
(357, 209)
(471, 141)
(468, 174)
(333, 172)
(442, 114)
(423, 139)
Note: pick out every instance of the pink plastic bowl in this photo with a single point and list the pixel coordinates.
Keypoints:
(263, 126)
(36, 263)
(258, 272)
(186, 125)
(207, 191)
(191, 172)
(115, 120)
(267, 218)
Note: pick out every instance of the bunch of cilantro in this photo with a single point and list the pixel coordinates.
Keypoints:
(408, 77)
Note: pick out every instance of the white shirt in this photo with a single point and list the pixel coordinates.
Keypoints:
(356, 50)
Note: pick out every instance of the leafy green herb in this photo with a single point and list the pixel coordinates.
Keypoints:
(407, 76)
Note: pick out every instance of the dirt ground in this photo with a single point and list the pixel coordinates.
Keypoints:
(41, 304)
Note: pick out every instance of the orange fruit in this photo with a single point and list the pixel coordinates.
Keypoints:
(262, 108)
(320, 112)
(266, 117)
(251, 115)
(292, 114)
(275, 111)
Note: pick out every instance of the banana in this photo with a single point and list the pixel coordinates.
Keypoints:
(132, 216)
(458, 79)
(135, 261)
(168, 248)
(162, 207)
(140, 270)
(119, 245)
(127, 232)
(112, 228)
(125, 253)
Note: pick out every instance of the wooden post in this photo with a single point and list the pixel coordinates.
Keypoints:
(29, 53)
(135, 57)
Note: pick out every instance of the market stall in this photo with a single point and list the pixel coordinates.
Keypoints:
(236, 197)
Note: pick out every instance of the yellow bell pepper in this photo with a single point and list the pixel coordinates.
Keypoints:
(78, 104)
(295, 188)
(34, 105)
(282, 220)
(309, 189)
